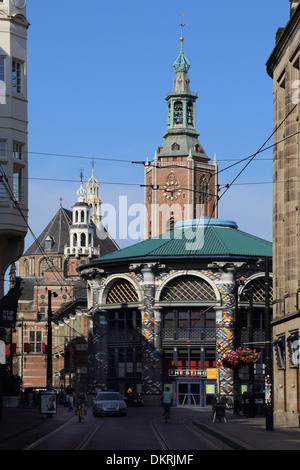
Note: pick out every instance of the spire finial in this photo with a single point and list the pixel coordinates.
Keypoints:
(93, 166)
(181, 63)
(81, 192)
(181, 26)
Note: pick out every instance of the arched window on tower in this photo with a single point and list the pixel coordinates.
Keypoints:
(82, 239)
(75, 239)
(205, 193)
(26, 268)
(82, 216)
(190, 113)
(178, 112)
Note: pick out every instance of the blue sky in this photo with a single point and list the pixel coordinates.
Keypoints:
(98, 73)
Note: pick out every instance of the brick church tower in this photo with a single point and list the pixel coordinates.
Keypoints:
(180, 183)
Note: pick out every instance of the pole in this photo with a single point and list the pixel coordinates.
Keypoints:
(49, 344)
(236, 345)
(268, 353)
(251, 366)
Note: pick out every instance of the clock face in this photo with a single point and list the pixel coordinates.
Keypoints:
(19, 3)
(172, 190)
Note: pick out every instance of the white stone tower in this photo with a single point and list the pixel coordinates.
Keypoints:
(82, 230)
(13, 133)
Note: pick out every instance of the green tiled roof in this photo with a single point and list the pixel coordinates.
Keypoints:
(219, 238)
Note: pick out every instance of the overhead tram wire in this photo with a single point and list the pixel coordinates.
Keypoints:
(10, 193)
(228, 186)
(171, 166)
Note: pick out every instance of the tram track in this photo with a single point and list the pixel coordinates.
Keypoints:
(200, 435)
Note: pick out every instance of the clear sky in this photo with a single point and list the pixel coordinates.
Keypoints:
(98, 73)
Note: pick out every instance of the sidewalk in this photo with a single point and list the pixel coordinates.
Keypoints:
(20, 426)
(249, 433)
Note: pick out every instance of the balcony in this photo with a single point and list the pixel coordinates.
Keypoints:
(189, 334)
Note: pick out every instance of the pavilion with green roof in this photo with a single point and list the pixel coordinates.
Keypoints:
(164, 311)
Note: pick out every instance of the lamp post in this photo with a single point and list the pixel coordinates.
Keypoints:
(251, 366)
(49, 342)
(268, 352)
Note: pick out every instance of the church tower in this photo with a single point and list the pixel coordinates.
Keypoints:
(82, 230)
(93, 199)
(13, 133)
(180, 183)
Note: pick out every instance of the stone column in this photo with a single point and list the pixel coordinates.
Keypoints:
(151, 342)
(225, 330)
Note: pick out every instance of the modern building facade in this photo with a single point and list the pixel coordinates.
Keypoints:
(165, 312)
(283, 66)
(181, 182)
(13, 133)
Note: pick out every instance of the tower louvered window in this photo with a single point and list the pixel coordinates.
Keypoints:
(122, 292)
(188, 289)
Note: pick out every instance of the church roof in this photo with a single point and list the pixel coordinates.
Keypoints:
(214, 238)
(58, 230)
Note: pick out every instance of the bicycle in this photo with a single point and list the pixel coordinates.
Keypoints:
(80, 412)
(167, 412)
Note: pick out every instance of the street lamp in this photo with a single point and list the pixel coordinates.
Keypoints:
(49, 342)
(268, 349)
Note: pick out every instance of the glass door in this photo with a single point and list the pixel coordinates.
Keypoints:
(188, 394)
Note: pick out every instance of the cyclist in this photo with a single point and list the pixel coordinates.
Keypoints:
(167, 400)
(81, 400)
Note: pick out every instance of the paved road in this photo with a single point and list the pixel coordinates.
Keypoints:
(141, 429)
(190, 430)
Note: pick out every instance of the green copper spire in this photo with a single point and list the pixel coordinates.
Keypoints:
(181, 64)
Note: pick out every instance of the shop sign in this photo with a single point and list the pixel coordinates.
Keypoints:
(206, 373)
(187, 373)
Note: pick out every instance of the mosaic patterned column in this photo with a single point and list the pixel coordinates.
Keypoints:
(97, 349)
(152, 354)
(225, 335)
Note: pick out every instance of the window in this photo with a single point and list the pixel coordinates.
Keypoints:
(18, 151)
(17, 76)
(178, 112)
(3, 194)
(2, 149)
(35, 341)
(49, 242)
(2, 76)
(18, 183)
(279, 346)
(293, 349)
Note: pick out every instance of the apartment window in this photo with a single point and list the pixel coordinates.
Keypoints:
(2, 149)
(17, 76)
(18, 148)
(2, 69)
(18, 183)
(35, 341)
(3, 194)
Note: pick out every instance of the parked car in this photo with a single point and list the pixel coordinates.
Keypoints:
(109, 403)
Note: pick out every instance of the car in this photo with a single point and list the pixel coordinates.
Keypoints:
(109, 403)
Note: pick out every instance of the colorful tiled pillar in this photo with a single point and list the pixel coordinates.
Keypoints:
(97, 349)
(225, 330)
(151, 344)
